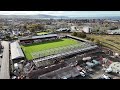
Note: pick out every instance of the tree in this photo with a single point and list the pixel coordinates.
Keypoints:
(35, 27)
(25, 27)
(81, 34)
(103, 32)
(92, 39)
(78, 34)
(97, 30)
(88, 38)
(8, 37)
(74, 34)
(106, 25)
(19, 34)
(98, 42)
(40, 27)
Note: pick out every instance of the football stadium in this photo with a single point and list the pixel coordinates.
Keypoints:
(44, 50)
(48, 48)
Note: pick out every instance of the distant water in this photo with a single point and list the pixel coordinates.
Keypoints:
(106, 17)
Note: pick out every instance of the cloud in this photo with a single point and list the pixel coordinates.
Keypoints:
(56, 13)
(19, 12)
(64, 13)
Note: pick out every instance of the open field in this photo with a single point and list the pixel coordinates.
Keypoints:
(29, 49)
(110, 41)
(42, 33)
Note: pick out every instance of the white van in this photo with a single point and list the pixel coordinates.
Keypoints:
(82, 74)
(108, 70)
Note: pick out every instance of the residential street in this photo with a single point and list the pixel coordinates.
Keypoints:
(5, 61)
(98, 74)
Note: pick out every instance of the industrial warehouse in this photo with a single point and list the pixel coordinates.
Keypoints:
(34, 56)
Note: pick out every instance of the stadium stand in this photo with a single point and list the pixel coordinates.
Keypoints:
(16, 51)
(57, 50)
(52, 57)
(37, 39)
(83, 40)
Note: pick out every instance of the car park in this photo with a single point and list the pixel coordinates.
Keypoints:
(87, 69)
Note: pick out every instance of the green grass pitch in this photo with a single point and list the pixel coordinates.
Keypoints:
(28, 49)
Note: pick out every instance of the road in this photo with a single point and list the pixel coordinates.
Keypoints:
(4, 74)
(98, 74)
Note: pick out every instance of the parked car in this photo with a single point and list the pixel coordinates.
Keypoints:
(82, 74)
(105, 77)
(88, 69)
(90, 64)
(83, 71)
(86, 58)
(96, 62)
(108, 70)
(100, 78)
(1, 55)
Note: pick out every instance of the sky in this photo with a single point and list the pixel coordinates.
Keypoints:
(64, 13)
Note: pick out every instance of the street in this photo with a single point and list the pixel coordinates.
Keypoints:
(97, 74)
(4, 74)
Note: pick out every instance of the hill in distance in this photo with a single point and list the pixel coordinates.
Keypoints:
(40, 16)
(43, 16)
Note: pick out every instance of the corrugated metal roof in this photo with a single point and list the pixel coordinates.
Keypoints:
(62, 73)
(63, 54)
(79, 38)
(16, 51)
(42, 36)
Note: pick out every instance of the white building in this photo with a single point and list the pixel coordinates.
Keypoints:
(15, 32)
(113, 31)
(73, 28)
(76, 28)
(87, 29)
(114, 67)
